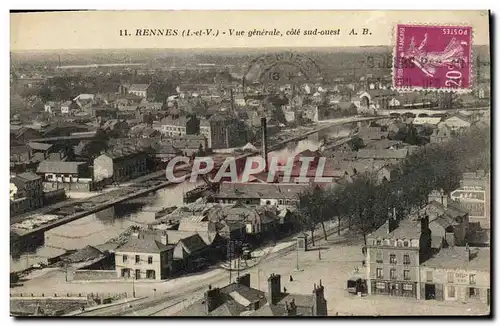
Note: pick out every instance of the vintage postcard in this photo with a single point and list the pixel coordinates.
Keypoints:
(250, 163)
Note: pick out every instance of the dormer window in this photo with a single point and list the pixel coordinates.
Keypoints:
(406, 243)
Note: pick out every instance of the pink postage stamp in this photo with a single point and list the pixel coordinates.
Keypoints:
(433, 58)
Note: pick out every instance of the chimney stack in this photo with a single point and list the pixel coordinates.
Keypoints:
(211, 299)
(319, 301)
(274, 288)
(424, 223)
(164, 238)
(444, 199)
(391, 225)
(263, 124)
(291, 309)
(244, 280)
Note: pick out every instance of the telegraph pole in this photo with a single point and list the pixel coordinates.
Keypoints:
(229, 251)
(297, 257)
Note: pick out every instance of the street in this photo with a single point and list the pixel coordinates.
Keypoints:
(331, 261)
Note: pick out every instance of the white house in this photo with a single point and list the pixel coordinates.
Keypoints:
(456, 123)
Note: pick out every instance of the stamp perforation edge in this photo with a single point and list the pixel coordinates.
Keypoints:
(431, 89)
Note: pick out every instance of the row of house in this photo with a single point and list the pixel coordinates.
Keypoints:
(427, 256)
(241, 299)
(201, 230)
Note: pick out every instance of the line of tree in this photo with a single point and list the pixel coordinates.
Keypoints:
(366, 202)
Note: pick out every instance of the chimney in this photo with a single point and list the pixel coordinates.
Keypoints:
(319, 301)
(274, 288)
(291, 308)
(424, 223)
(164, 238)
(391, 225)
(444, 199)
(244, 280)
(263, 124)
(211, 299)
(232, 100)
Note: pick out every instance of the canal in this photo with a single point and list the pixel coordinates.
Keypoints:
(96, 229)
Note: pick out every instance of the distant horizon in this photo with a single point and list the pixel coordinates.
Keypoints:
(217, 49)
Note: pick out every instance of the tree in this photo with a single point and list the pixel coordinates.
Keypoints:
(310, 208)
(335, 204)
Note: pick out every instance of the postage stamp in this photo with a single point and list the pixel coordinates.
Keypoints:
(433, 57)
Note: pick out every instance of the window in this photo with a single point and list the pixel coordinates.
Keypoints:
(406, 260)
(406, 274)
(473, 293)
(450, 277)
(399, 243)
(379, 242)
(472, 279)
(406, 243)
(125, 258)
(393, 274)
(380, 285)
(380, 274)
(429, 276)
(137, 259)
(392, 259)
(137, 274)
(407, 287)
(150, 274)
(451, 291)
(280, 201)
(150, 259)
(379, 257)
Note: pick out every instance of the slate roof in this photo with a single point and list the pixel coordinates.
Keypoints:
(19, 149)
(382, 154)
(457, 258)
(193, 243)
(29, 176)
(146, 244)
(84, 254)
(119, 152)
(39, 146)
(452, 210)
(58, 167)
(234, 299)
(407, 229)
(426, 120)
(54, 157)
(383, 144)
(174, 121)
(258, 190)
(139, 87)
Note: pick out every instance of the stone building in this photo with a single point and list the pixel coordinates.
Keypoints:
(457, 274)
(394, 252)
(120, 164)
(240, 299)
(143, 257)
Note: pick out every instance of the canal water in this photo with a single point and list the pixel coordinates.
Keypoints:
(96, 229)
